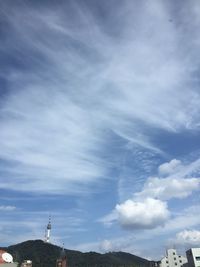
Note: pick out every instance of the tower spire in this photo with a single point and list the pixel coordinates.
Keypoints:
(48, 231)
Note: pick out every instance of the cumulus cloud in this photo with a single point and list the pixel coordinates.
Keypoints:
(148, 208)
(167, 188)
(188, 237)
(170, 167)
(144, 214)
(177, 182)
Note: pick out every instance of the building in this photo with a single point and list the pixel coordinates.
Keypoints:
(62, 260)
(12, 264)
(193, 257)
(172, 259)
(26, 263)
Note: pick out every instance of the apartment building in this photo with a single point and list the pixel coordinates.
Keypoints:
(193, 256)
(172, 259)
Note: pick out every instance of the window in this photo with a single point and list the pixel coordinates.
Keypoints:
(167, 262)
(180, 261)
(174, 258)
(175, 263)
(174, 253)
(197, 258)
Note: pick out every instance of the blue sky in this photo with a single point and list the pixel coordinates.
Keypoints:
(99, 124)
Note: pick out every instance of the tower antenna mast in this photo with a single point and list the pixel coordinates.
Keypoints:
(48, 231)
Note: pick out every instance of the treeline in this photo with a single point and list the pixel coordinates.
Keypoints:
(44, 255)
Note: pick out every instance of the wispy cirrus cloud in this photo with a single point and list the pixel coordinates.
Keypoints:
(97, 94)
(7, 208)
(56, 118)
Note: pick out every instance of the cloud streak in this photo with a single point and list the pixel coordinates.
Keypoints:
(93, 98)
(7, 208)
(84, 84)
(55, 121)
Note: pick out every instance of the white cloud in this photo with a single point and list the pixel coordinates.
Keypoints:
(170, 167)
(139, 211)
(167, 188)
(185, 219)
(84, 80)
(59, 144)
(7, 208)
(108, 219)
(145, 214)
(87, 83)
(188, 237)
(106, 246)
(175, 184)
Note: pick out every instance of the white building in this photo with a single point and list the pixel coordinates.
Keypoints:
(172, 259)
(193, 256)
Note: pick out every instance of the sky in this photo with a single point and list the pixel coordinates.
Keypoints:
(100, 124)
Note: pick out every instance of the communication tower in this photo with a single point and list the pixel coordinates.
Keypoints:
(48, 231)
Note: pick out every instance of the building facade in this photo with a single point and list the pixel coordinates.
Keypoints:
(172, 259)
(62, 260)
(26, 263)
(193, 256)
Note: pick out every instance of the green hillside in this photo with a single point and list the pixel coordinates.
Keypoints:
(44, 255)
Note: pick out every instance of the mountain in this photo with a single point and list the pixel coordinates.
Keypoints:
(44, 255)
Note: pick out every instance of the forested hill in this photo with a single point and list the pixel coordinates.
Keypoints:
(44, 255)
